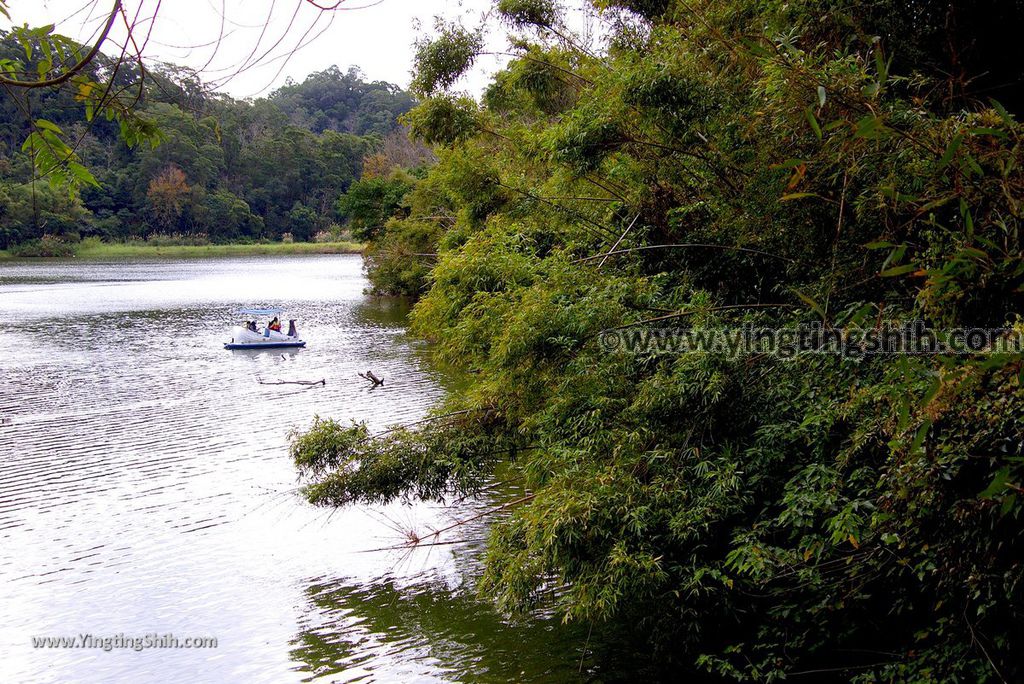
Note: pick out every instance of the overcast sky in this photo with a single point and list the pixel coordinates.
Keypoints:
(375, 36)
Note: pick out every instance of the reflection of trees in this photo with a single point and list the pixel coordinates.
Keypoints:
(446, 631)
(383, 312)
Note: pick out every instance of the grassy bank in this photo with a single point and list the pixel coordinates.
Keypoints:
(93, 249)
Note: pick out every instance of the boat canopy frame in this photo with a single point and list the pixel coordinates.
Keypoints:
(260, 312)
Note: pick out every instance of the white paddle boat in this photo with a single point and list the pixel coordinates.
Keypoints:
(249, 336)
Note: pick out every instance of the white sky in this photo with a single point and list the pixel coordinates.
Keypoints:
(375, 35)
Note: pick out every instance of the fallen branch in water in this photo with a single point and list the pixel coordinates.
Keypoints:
(414, 539)
(404, 547)
(368, 375)
(306, 383)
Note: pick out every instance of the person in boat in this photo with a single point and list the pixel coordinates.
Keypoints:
(251, 325)
(275, 325)
(292, 332)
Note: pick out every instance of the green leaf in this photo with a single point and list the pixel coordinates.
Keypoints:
(788, 164)
(881, 66)
(922, 432)
(988, 131)
(821, 96)
(951, 149)
(82, 175)
(871, 128)
(898, 270)
(998, 484)
(1006, 116)
(811, 303)
(798, 195)
(813, 121)
(895, 256)
(756, 48)
(933, 390)
(972, 165)
(49, 126)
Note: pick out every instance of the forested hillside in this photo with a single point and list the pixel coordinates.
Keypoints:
(225, 170)
(849, 165)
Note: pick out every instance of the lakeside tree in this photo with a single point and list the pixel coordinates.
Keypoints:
(715, 165)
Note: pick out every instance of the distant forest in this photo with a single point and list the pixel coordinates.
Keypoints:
(226, 170)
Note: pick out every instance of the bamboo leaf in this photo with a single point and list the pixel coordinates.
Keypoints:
(951, 149)
(898, 270)
(813, 121)
(811, 303)
(998, 484)
(1005, 115)
(871, 128)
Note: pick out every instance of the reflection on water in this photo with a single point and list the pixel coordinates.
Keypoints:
(425, 630)
(145, 486)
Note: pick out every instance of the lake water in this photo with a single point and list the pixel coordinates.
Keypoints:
(146, 487)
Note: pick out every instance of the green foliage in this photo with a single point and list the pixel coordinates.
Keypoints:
(440, 62)
(302, 222)
(454, 457)
(400, 258)
(46, 56)
(370, 202)
(762, 163)
(27, 215)
(332, 100)
(521, 13)
(443, 120)
(252, 170)
(46, 246)
(540, 77)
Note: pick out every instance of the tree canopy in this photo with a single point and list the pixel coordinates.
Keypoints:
(241, 170)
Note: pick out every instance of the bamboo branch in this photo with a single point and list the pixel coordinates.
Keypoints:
(685, 245)
(691, 312)
(619, 241)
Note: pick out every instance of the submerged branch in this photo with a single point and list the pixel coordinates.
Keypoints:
(306, 383)
(415, 540)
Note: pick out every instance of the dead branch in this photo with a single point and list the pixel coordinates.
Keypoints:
(306, 383)
(415, 540)
(368, 375)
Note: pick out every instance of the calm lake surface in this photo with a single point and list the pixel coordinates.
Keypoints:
(146, 487)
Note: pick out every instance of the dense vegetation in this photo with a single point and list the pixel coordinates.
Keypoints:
(850, 163)
(219, 170)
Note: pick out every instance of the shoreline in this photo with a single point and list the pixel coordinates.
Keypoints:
(115, 250)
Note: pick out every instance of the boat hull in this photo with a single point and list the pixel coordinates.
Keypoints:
(263, 345)
(243, 338)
